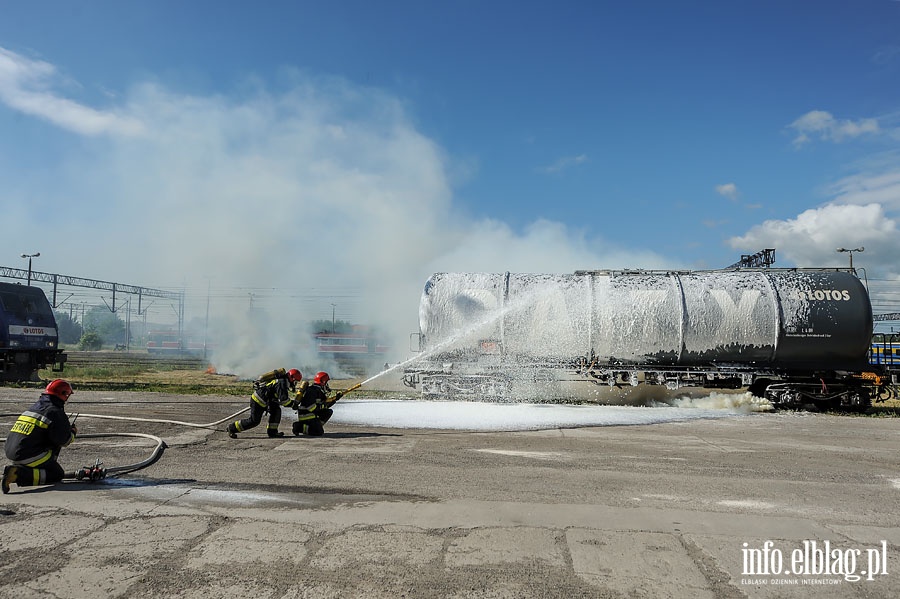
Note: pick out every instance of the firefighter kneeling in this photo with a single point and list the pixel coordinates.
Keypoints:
(36, 438)
(314, 407)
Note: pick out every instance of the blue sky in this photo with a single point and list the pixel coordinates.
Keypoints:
(347, 149)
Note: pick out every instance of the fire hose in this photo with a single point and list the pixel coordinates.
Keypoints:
(343, 393)
(96, 471)
(211, 425)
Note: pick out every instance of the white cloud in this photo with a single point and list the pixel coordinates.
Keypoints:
(882, 187)
(812, 237)
(862, 212)
(886, 55)
(821, 125)
(564, 163)
(728, 190)
(24, 85)
(714, 224)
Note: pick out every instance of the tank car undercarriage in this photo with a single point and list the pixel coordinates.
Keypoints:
(820, 395)
(788, 390)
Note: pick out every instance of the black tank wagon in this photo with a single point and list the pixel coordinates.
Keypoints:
(29, 338)
(793, 336)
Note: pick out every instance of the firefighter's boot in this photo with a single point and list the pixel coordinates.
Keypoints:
(10, 475)
(274, 433)
(232, 431)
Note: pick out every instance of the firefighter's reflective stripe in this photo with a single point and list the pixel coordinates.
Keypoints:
(27, 421)
(35, 461)
(44, 421)
(237, 426)
(257, 399)
(37, 476)
(306, 416)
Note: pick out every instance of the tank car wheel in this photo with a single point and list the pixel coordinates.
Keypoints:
(758, 388)
(859, 402)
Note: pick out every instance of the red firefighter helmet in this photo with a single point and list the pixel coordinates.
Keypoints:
(321, 378)
(59, 388)
(294, 375)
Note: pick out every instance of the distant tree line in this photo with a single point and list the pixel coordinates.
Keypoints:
(99, 327)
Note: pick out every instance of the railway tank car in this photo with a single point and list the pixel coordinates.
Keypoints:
(794, 336)
(29, 338)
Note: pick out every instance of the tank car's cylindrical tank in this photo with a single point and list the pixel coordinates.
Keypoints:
(787, 317)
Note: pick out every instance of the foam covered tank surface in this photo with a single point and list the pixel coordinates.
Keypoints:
(657, 317)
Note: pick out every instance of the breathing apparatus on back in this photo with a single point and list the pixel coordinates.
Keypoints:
(293, 376)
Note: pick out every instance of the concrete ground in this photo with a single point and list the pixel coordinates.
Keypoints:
(740, 506)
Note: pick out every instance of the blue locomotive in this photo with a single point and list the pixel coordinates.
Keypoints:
(29, 339)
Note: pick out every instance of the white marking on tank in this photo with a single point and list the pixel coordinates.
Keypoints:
(736, 324)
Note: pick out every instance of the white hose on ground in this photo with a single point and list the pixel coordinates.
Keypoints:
(210, 425)
(157, 451)
(83, 415)
(160, 444)
(154, 457)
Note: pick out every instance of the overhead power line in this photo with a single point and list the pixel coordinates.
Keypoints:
(70, 281)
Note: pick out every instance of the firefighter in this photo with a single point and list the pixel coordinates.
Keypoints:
(314, 407)
(271, 391)
(36, 438)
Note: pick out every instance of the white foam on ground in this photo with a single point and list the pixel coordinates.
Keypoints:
(747, 503)
(539, 455)
(482, 416)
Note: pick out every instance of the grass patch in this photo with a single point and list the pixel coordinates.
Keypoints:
(884, 413)
(167, 378)
(160, 378)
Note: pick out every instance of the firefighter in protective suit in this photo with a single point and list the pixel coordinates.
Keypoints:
(314, 407)
(271, 391)
(36, 438)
